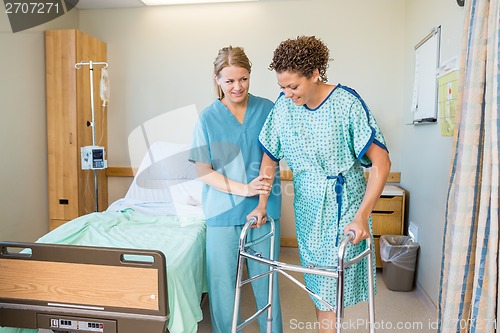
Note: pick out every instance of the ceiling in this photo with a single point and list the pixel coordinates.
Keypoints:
(102, 4)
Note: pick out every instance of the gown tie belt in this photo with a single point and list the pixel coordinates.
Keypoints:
(339, 188)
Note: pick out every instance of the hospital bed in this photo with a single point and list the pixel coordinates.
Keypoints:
(137, 267)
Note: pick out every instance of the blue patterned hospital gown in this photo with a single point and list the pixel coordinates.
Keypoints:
(326, 149)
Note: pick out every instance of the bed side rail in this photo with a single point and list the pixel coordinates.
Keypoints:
(104, 289)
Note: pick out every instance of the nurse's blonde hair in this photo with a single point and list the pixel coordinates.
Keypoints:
(229, 56)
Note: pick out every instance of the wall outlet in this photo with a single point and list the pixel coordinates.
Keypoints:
(413, 231)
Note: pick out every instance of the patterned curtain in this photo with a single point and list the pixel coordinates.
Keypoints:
(468, 298)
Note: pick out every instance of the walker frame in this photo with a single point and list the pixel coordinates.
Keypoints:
(245, 252)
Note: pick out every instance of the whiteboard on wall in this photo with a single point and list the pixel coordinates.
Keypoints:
(424, 103)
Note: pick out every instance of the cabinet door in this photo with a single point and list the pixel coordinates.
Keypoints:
(387, 223)
(387, 216)
(61, 124)
(389, 204)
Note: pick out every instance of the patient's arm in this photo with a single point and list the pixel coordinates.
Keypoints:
(381, 166)
(268, 170)
(259, 185)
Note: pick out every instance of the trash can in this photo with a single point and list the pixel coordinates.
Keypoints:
(399, 259)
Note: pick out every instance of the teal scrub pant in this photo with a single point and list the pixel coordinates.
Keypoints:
(222, 264)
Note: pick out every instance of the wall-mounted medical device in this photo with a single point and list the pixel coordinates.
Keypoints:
(93, 158)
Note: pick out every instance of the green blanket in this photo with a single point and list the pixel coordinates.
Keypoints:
(181, 239)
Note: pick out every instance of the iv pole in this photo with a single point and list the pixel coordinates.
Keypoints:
(92, 123)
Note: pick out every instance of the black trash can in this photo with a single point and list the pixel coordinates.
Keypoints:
(399, 260)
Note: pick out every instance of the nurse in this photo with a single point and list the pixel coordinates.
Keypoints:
(327, 135)
(227, 155)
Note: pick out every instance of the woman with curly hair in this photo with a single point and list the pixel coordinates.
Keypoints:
(327, 135)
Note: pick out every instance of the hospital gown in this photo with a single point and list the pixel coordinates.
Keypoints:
(326, 149)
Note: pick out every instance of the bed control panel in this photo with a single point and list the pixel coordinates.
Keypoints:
(75, 324)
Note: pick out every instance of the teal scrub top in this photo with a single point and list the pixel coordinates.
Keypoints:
(233, 150)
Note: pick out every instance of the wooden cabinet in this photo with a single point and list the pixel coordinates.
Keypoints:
(388, 216)
(71, 189)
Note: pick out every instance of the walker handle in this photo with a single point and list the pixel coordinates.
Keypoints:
(247, 227)
(252, 221)
(350, 235)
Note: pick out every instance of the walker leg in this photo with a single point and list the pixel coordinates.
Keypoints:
(269, 321)
(239, 277)
(237, 294)
(371, 288)
(340, 282)
(270, 292)
(340, 301)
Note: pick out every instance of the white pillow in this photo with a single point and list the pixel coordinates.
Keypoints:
(166, 175)
(167, 161)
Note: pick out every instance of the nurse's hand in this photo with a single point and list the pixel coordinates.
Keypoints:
(259, 213)
(259, 185)
(360, 228)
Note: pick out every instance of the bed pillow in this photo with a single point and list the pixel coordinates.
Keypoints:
(168, 161)
(166, 175)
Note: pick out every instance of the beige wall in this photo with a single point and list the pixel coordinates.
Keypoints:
(23, 190)
(426, 156)
(160, 59)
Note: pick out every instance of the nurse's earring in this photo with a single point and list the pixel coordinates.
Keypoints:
(220, 93)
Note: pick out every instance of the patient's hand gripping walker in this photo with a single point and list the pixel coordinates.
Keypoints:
(246, 252)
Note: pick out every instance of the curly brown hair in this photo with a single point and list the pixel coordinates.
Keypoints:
(302, 55)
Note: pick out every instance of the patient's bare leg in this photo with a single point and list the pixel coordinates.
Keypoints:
(326, 320)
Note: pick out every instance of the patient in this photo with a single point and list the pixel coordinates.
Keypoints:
(327, 135)
(228, 157)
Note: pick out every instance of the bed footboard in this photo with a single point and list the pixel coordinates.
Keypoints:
(82, 289)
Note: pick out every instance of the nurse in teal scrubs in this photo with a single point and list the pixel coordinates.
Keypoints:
(227, 155)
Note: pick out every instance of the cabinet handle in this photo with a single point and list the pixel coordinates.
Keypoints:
(70, 138)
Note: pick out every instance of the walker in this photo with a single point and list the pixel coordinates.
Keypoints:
(246, 252)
